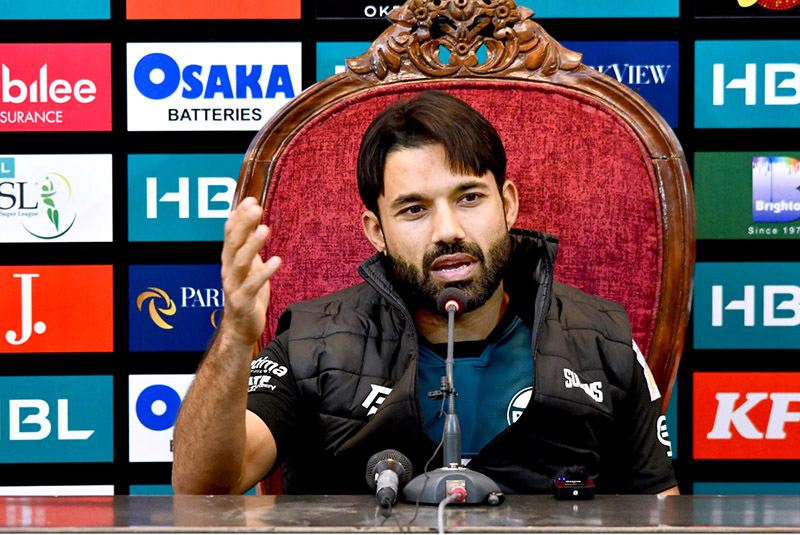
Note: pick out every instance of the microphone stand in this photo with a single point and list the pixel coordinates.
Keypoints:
(453, 478)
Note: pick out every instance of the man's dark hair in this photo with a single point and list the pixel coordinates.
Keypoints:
(470, 141)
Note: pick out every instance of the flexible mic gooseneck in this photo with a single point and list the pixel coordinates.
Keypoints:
(451, 302)
(386, 472)
(453, 481)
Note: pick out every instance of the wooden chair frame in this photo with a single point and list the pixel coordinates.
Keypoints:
(517, 49)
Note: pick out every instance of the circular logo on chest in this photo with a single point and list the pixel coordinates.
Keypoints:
(518, 404)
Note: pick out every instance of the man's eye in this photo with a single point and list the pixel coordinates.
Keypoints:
(471, 197)
(413, 210)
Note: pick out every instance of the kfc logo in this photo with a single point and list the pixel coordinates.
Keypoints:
(746, 415)
(55, 87)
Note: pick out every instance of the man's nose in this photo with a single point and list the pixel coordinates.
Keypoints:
(447, 226)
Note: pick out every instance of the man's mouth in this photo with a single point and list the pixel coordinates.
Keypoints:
(454, 267)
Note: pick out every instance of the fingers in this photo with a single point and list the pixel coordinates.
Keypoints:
(239, 226)
(260, 273)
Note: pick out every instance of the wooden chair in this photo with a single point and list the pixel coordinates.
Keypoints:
(595, 164)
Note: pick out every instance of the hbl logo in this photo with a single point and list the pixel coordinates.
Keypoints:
(747, 84)
(180, 197)
(56, 419)
(747, 305)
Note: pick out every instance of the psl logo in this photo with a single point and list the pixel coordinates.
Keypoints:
(776, 198)
(54, 200)
(153, 294)
(28, 327)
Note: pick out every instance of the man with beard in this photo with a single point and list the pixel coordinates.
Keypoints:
(548, 377)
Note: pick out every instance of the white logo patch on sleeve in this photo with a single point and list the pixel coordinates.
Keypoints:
(648, 375)
(375, 398)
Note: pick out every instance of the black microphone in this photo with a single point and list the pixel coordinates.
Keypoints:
(386, 471)
(451, 297)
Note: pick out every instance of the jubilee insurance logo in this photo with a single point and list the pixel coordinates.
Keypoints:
(55, 87)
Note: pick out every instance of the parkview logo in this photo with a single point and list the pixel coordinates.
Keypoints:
(55, 87)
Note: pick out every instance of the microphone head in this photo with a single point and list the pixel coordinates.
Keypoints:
(449, 297)
(388, 460)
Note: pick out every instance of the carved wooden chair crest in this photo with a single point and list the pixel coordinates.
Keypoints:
(595, 164)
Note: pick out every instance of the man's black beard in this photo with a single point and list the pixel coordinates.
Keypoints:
(419, 290)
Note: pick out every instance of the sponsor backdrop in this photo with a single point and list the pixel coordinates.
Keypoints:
(123, 126)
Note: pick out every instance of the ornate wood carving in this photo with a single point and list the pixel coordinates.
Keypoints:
(420, 29)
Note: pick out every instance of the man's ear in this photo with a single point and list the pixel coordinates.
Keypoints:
(372, 229)
(510, 202)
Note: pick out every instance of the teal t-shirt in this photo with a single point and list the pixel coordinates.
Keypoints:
(493, 387)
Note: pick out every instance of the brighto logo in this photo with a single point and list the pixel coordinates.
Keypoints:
(43, 207)
(154, 295)
(776, 198)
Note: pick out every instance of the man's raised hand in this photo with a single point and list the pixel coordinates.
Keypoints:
(245, 277)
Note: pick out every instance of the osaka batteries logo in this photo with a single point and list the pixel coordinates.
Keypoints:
(776, 198)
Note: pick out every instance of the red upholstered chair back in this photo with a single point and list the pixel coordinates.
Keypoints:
(595, 165)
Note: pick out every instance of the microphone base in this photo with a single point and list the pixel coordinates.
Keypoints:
(480, 488)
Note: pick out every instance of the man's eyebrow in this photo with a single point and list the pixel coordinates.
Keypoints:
(406, 199)
(461, 187)
(470, 184)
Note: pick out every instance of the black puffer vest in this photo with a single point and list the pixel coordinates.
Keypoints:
(349, 348)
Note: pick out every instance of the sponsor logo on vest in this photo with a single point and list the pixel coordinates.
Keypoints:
(518, 404)
(593, 390)
(261, 372)
(663, 435)
(375, 398)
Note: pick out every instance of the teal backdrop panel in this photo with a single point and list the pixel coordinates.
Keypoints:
(56, 419)
(54, 9)
(747, 84)
(180, 197)
(592, 9)
(747, 305)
